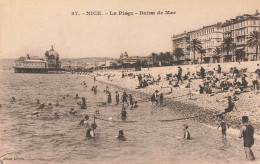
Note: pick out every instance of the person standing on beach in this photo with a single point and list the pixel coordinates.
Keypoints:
(109, 99)
(154, 98)
(140, 80)
(202, 72)
(131, 100)
(161, 99)
(219, 69)
(179, 75)
(247, 132)
(117, 97)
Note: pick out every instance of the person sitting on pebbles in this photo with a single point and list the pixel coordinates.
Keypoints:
(72, 111)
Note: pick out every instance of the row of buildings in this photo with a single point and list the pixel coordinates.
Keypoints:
(212, 36)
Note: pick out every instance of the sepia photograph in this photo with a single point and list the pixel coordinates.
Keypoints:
(129, 82)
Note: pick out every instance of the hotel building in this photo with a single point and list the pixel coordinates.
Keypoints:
(182, 41)
(210, 37)
(239, 29)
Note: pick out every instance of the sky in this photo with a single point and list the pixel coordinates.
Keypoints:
(32, 26)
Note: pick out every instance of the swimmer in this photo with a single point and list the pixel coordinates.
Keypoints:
(123, 114)
(90, 133)
(186, 132)
(42, 106)
(83, 104)
(84, 121)
(135, 104)
(37, 101)
(35, 113)
(49, 105)
(72, 111)
(121, 136)
(56, 115)
(13, 99)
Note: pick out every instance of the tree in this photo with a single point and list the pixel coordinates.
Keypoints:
(239, 55)
(178, 53)
(254, 42)
(202, 52)
(154, 57)
(168, 58)
(227, 45)
(217, 51)
(161, 57)
(195, 45)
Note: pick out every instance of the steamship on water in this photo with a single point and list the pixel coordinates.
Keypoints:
(33, 64)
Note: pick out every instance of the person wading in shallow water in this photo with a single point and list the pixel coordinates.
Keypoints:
(247, 132)
(186, 132)
(109, 99)
(223, 126)
(117, 97)
(124, 98)
(83, 104)
(121, 136)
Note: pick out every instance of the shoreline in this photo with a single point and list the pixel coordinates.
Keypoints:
(170, 105)
(203, 107)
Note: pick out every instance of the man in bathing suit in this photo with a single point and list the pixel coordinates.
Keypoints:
(247, 132)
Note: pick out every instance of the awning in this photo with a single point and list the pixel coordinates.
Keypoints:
(240, 48)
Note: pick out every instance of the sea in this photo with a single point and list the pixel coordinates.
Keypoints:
(25, 138)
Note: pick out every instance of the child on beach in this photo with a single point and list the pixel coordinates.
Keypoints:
(186, 132)
(224, 127)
